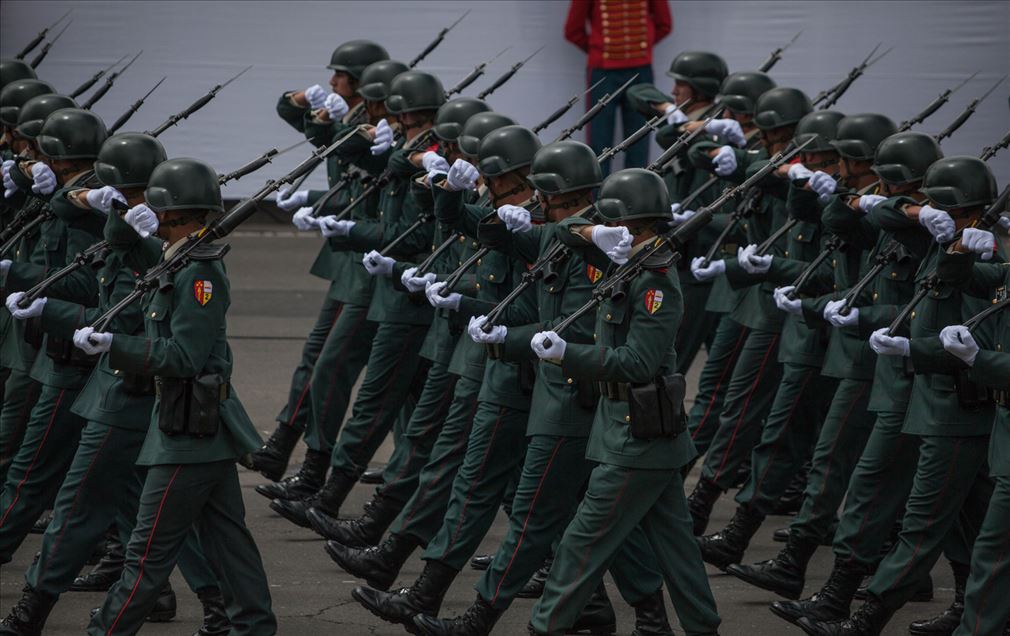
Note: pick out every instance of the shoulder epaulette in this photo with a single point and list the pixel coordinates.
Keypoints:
(209, 252)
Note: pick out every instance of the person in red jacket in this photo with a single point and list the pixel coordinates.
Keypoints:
(618, 35)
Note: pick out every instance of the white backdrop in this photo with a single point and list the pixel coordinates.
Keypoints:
(199, 44)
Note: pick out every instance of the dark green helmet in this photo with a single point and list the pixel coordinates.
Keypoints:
(821, 126)
(904, 157)
(507, 149)
(477, 127)
(781, 107)
(634, 193)
(14, 95)
(183, 184)
(376, 78)
(740, 91)
(413, 91)
(565, 166)
(13, 70)
(453, 114)
(352, 57)
(959, 182)
(72, 133)
(859, 135)
(702, 70)
(127, 160)
(34, 112)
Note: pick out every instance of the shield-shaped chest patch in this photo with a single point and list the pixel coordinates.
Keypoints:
(203, 290)
(594, 275)
(653, 300)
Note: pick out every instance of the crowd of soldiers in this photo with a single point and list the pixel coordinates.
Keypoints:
(523, 325)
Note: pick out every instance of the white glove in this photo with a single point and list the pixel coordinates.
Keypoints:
(434, 162)
(724, 161)
(702, 272)
(885, 345)
(979, 241)
(462, 176)
(31, 311)
(674, 115)
(451, 301)
(751, 262)
(288, 200)
(832, 313)
(937, 222)
(44, 178)
(83, 340)
(959, 342)
(5, 266)
(798, 171)
(869, 201)
(142, 219)
(516, 218)
(728, 129)
(378, 265)
(678, 217)
(316, 96)
(415, 283)
(329, 226)
(9, 187)
(476, 331)
(615, 242)
(102, 198)
(335, 106)
(1004, 222)
(303, 219)
(383, 138)
(823, 184)
(786, 304)
(556, 353)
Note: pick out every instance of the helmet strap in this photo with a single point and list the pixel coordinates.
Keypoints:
(496, 196)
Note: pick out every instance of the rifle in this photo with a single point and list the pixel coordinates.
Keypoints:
(506, 76)
(830, 96)
(595, 110)
(48, 45)
(474, 74)
(438, 40)
(94, 78)
(934, 105)
(41, 36)
(195, 106)
(109, 81)
(556, 115)
(893, 252)
(966, 113)
(990, 151)
(777, 54)
(743, 210)
(987, 221)
(973, 322)
(21, 226)
(217, 229)
(257, 163)
(134, 107)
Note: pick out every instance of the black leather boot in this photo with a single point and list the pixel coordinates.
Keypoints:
(831, 603)
(481, 561)
(869, 619)
(785, 574)
(597, 616)
(40, 525)
(107, 572)
(478, 620)
(650, 616)
(534, 588)
(165, 607)
(363, 532)
(378, 566)
(271, 460)
(792, 498)
(29, 614)
(215, 618)
(728, 546)
(329, 499)
(372, 476)
(923, 591)
(950, 618)
(700, 504)
(423, 597)
(306, 482)
(782, 535)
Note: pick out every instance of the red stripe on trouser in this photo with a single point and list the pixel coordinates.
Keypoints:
(340, 354)
(308, 381)
(785, 427)
(35, 458)
(480, 474)
(529, 513)
(730, 363)
(902, 440)
(746, 405)
(73, 505)
(599, 535)
(446, 396)
(932, 515)
(988, 583)
(834, 444)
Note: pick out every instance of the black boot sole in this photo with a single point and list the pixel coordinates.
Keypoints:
(164, 616)
(596, 630)
(409, 625)
(371, 582)
(301, 522)
(102, 587)
(792, 595)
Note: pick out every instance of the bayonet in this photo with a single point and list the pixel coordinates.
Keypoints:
(109, 81)
(41, 36)
(506, 76)
(258, 163)
(990, 151)
(134, 107)
(831, 96)
(48, 45)
(967, 112)
(595, 110)
(438, 40)
(474, 74)
(195, 106)
(777, 54)
(934, 106)
(94, 78)
(556, 115)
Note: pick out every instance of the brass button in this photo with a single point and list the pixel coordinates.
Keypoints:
(627, 418)
(490, 276)
(570, 380)
(115, 372)
(462, 238)
(479, 261)
(894, 274)
(834, 263)
(478, 286)
(787, 254)
(609, 316)
(913, 314)
(875, 295)
(834, 287)
(102, 280)
(799, 237)
(594, 336)
(154, 314)
(999, 347)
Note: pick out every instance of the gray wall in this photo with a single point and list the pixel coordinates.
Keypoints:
(198, 44)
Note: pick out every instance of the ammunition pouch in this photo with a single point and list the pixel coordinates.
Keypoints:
(33, 333)
(527, 376)
(191, 406)
(657, 408)
(971, 396)
(136, 384)
(64, 352)
(1002, 398)
(587, 394)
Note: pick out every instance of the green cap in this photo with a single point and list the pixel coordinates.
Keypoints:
(702, 70)
(72, 133)
(959, 182)
(183, 184)
(781, 107)
(904, 157)
(14, 95)
(821, 126)
(13, 70)
(740, 91)
(507, 149)
(376, 78)
(477, 127)
(452, 115)
(413, 91)
(859, 135)
(634, 193)
(35, 111)
(127, 160)
(565, 166)
(352, 57)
